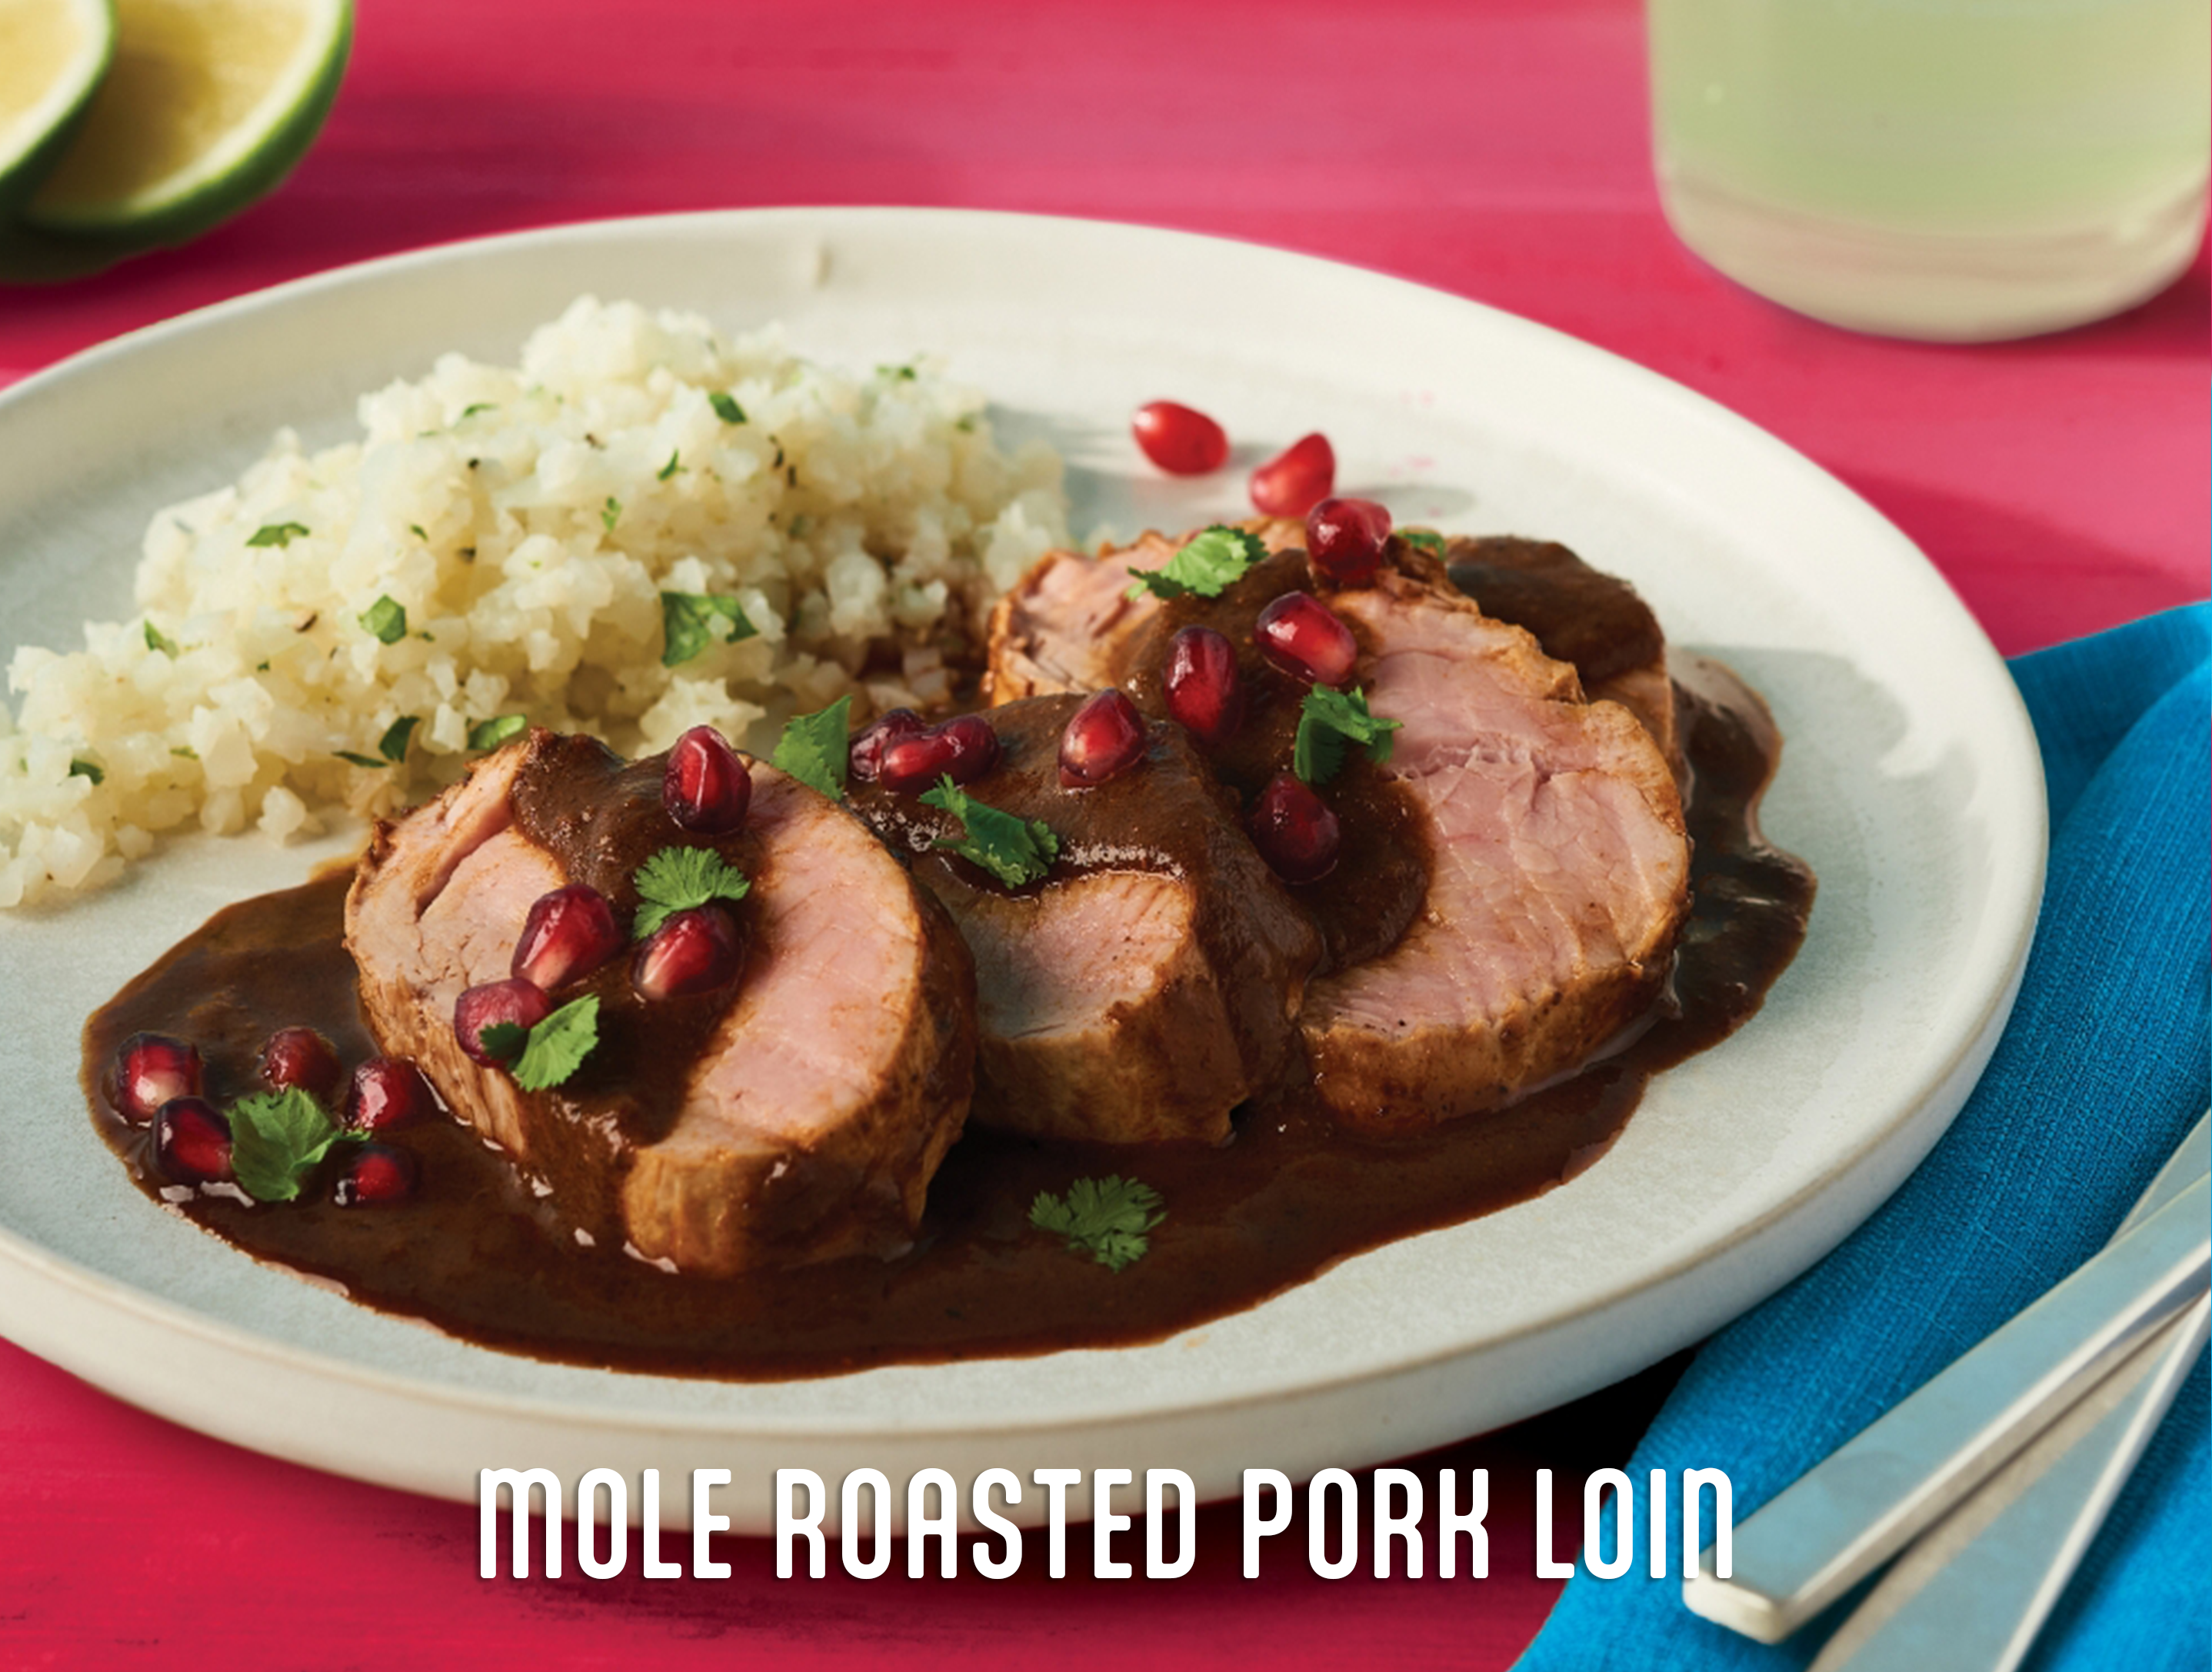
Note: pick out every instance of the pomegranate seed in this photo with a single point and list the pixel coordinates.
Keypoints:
(1344, 539)
(151, 1068)
(1103, 737)
(388, 1092)
(302, 1057)
(974, 746)
(568, 933)
(964, 748)
(1180, 441)
(1204, 693)
(1294, 830)
(522, 1002)
(694, 952)
(705, 787)
(1296, 479)
(1299, 634)
(376, 1174)
(191, 1141)
(866, 757)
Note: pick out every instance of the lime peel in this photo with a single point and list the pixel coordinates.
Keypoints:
(143, 168)
(57, 52)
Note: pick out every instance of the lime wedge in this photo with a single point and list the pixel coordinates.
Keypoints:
(208, 106)
(58, 51)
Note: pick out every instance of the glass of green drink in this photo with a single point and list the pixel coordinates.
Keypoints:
(1956, 170)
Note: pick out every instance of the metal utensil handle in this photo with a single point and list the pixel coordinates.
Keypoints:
(1841, 1520)
(1971, 1596)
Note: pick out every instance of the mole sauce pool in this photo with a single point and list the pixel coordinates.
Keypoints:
(480, 1256)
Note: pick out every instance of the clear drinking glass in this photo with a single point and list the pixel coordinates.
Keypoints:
(1958, 170)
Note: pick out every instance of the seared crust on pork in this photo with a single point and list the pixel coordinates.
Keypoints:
(1150, 983)
(1560, 871)
(1560, 862)
(1578, 615)
(832, 1080)
(1066, 626)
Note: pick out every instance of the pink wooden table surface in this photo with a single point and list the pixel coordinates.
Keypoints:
(1491, 148)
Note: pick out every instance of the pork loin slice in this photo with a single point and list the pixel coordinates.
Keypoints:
(1066, 626)
(795, 1117)
(1550, 826)
(1150, 983)
(1579, 615)
(1560, 871)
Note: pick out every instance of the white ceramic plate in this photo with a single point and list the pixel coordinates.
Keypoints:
(1911, 782)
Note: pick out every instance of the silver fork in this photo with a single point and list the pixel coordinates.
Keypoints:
(2127, 1325)
(1976, 1589)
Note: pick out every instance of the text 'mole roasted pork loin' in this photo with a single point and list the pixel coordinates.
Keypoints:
(1151, 981)
(796, 1114)
(1550, 825)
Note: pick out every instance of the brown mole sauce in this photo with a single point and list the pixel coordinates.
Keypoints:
(1578, 614)
(1381, 874)
(1140, 820)
(478, 1255)
(601, 817)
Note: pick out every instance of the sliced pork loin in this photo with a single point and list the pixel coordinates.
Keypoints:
(1066, 625)
(793, 1116)
(1549, 829)
(1559, 871)
(1150, 981)
(1579, 615)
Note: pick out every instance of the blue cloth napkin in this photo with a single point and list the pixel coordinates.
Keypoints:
(2100, 1072)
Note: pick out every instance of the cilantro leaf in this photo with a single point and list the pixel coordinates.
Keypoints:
(276, 1140)
(81, 767)
(503, 1041)
(689, 620)
(674, 464)
(1210, 562)
(392, 745)
(360, 760)
(557, 1046)
(727, 408)
(157, 640)
(1108, 1219)
(490, 734)
(610, 514)
(276, 533)
(1014, 850)
(1426, 539)
(678, 878)
(1329, 723)
(815, 748)
(477, 406)
(385, 620)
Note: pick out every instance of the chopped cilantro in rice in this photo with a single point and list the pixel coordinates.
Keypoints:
(846, 513)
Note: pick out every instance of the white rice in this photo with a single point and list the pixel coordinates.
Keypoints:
(528, 521)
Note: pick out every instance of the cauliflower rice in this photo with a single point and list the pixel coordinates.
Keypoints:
(528, 522)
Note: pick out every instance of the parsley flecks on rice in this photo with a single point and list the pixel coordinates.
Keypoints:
(503, 542)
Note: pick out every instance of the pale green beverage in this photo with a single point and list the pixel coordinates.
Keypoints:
(1955, 169)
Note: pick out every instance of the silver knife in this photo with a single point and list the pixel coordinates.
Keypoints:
(1846, 1517)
